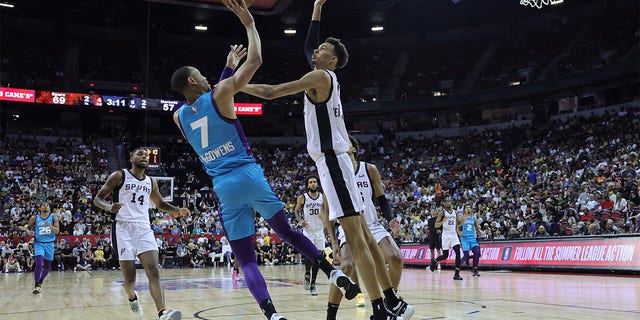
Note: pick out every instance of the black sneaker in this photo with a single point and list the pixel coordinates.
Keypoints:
(433, 265)
(476, 273)
(402, 309)
(388, 315)
(456, 276)
(37, 289)
(349, 288)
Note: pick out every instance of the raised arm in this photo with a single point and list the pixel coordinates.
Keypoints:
(226, 89)
(236, 54)
(313, 80)
(313, 34)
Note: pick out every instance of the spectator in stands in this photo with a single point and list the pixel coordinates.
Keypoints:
(12, 265)
(593, 229)
(99, 261)
(215, 253)
(541, 232)
(610, 227)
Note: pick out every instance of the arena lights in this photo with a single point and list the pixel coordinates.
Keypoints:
(200, 27)
(6, 5)
(377, 28)
(290, 31)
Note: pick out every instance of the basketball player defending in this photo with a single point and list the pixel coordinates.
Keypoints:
(327, 144)
(132, 192)
(370, 185)
(47, 227)
(435, 239)
(469, 238)
(210, 125)
(307, 211)
(449, 222)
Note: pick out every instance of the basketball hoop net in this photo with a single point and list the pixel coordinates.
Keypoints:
(540, 3)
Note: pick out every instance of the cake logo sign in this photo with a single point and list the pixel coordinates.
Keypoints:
(540, 3)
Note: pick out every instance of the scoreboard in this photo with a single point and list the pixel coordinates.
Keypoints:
(154, 156)
(106, 101)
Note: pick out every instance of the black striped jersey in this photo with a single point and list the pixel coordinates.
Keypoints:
(324, 123)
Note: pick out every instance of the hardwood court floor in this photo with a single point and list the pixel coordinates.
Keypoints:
(210, 294)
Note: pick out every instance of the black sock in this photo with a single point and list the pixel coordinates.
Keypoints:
(392, 298)
(160, 312)
(378, 307)
(332, 311)
(134, 299)
(267, 307)
(324, 265)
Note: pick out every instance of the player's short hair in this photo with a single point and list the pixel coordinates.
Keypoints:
(306, 183)
(134, 151)
(179, 78)
(341, 52)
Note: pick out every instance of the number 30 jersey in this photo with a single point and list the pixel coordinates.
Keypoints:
(311, 210)
(134, 195)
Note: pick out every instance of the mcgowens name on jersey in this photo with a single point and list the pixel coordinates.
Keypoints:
(218, 152)
(136, 187)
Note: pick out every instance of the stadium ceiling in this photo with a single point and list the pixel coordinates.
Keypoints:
(353, 18)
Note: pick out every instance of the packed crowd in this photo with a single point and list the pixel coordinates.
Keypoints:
(574, 178)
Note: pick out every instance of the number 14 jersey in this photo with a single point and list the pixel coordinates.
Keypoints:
(134, 195)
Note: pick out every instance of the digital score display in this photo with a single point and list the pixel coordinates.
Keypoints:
(108, 101)
(154, 156)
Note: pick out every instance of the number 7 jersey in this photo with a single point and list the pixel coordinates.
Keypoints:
(220, 142)
(134, 195)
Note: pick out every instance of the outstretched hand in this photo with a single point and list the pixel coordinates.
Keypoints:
(236, 54)
(239, 8)
(184, 212)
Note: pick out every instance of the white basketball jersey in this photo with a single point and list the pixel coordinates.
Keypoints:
(449, 225)
(311, 211)
(324, 123)
(134, 195)
(366, 190)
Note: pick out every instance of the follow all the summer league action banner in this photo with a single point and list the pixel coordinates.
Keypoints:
(620, 253)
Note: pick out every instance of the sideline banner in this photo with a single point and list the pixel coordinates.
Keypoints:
(620, 253)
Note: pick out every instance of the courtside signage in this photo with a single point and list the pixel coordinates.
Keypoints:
(20, 95)
(621, 253)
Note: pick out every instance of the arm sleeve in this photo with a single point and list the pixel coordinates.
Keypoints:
(226, 73)
(313, 40)
(385, 207)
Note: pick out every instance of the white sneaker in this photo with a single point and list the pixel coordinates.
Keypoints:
(171, 315)
(277, 316)
(136, 309)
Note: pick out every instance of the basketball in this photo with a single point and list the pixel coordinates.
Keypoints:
(247, 2)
